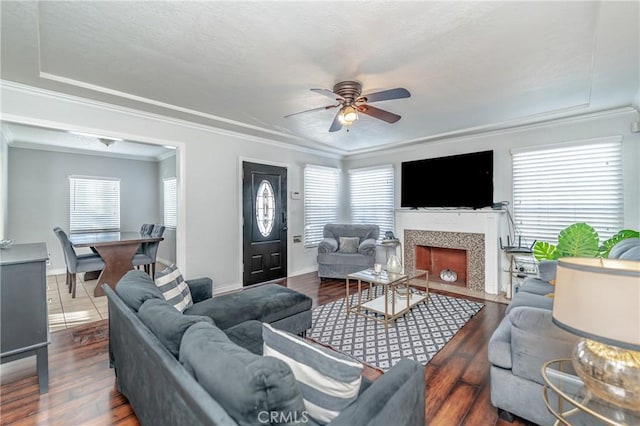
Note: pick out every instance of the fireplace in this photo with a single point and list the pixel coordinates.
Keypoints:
(445, 265)
(462, 252)
(475, 231)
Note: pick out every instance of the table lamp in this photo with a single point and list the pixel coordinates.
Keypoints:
(599, 300)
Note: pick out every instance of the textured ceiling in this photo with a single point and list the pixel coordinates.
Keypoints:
(243, 66)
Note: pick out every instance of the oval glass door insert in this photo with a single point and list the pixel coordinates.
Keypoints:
(265, 208)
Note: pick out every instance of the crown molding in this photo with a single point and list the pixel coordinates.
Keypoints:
(490, 130)
(324, 151)
(166, 155)
(78, 151)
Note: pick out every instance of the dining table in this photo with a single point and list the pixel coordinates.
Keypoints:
(116, 249)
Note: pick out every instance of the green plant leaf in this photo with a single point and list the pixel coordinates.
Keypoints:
(622, 235)
(545, 251)
(578, 240)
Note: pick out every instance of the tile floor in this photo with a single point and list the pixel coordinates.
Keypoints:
(66, 312)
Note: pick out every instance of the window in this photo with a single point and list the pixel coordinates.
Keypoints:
(265, 208)
(94, 204)
(556, 187)
(321, 186)
(169, 214)
(372, 199)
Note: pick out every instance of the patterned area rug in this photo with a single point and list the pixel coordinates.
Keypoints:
(418, 335)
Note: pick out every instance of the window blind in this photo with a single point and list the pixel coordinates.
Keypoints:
(94, 204)
(372, 197)
(556, 187)
(170, 210)
(321, 186)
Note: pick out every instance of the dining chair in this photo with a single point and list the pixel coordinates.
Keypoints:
(149, 252)
(145, 229)
(75, 262)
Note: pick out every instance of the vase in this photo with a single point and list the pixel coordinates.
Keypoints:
(448, 275)
(393, 264)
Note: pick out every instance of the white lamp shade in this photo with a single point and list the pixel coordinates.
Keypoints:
(599, 299)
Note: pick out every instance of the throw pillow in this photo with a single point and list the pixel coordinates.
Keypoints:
(547, 270)
(173, 288)
(167, 324)
(329, 381)
(251, 388)
(135, 287)
(349, 244)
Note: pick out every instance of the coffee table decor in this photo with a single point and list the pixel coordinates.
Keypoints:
(419, 334)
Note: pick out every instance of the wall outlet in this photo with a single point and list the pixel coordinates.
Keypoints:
(297, 239)
(295, 195)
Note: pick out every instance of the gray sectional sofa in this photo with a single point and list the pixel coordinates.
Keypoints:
(526, 339)
(156, 371)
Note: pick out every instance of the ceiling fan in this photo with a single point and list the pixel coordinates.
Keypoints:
(348, 96)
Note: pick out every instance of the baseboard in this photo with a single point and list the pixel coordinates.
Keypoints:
(303, 271)
(57, 271)
(165, 261)
(223, 288)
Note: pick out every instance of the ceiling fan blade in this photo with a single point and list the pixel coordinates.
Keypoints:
(386, 95)
(378, 113)
(328, 93)
(336, 125)
(313, 109)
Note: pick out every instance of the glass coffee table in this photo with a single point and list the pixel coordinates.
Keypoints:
(569, 400)
(399, 293)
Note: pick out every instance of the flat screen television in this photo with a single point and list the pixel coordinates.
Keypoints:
(456, 181)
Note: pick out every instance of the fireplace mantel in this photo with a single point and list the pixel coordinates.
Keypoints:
(486, 222)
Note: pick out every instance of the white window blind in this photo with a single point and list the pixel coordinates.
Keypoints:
(94, 204)
(321, 186)
(556, 187)
(372, 198)
(170, 211)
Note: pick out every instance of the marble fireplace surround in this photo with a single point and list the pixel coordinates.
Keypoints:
(472, 243)
(474, 230)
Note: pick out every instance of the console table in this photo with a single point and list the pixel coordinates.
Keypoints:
(24, 327)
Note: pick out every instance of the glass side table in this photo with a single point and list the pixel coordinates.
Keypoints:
(576, 405)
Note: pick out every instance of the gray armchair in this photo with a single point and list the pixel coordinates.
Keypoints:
(346, 248)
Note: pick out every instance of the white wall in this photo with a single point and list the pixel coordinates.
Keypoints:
(167, 249)
(209, 228)
(4, 175)
(209, 161)
(613, 123)
(38, 199)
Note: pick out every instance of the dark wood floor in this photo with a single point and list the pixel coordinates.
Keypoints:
(82, 387)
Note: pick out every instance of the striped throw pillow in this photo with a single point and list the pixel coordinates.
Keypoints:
(329, 381)
(173, 287)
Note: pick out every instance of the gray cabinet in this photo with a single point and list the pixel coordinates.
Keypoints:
(24, 328)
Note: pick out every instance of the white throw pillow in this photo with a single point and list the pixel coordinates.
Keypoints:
(329, 381)
(173, 287)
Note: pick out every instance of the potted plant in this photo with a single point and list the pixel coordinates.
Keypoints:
(580, 240)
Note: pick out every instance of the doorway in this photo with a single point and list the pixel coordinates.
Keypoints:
(264, 201)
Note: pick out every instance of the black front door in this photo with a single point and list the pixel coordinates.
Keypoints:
(264, 195)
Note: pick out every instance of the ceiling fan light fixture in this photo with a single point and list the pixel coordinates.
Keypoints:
(348, 115)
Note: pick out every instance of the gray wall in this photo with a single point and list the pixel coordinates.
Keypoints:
(38, 194)
(167, 248)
